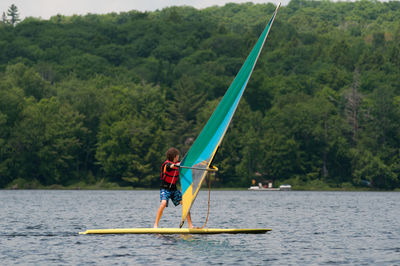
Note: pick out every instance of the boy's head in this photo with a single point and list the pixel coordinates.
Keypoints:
(171, 154)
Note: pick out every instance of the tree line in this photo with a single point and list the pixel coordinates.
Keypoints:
(11, 17)
(102, 97)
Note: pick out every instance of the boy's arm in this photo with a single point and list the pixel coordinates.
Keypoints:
(172, 166)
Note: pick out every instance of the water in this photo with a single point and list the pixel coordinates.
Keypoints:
(41, 228)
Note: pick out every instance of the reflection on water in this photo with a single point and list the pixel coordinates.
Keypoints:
(41, 228)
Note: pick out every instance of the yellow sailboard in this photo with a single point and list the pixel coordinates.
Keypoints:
(176, 231)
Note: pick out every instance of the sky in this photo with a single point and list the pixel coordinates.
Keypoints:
(47, 8)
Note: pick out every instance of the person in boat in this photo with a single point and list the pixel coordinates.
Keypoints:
(168, 190)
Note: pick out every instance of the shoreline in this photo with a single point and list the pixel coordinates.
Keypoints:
(89, 188)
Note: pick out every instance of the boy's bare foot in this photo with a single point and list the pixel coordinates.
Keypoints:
(155, 226)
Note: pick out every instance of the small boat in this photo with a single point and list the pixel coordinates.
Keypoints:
(268, 187)
(285, 187)
(256, 188)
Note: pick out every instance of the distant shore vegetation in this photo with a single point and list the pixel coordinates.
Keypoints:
(95, 101)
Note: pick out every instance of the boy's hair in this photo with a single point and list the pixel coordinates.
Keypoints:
(172, 153)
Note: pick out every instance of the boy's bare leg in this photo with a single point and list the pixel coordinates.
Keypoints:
(160, 212)
(189, 219)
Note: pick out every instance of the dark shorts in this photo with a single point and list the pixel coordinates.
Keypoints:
(174, 195)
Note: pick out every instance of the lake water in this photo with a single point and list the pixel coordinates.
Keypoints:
(39, 227)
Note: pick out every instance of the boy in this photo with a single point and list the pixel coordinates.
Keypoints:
(168, 190)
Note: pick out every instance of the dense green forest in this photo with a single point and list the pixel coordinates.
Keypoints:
(100, 98)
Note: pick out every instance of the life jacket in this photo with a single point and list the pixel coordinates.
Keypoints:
(169, 176)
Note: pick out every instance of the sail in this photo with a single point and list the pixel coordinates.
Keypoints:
(198, 159)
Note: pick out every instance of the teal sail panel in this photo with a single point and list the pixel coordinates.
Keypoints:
(205, 146)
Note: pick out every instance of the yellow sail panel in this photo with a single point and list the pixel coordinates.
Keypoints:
(187, 199)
